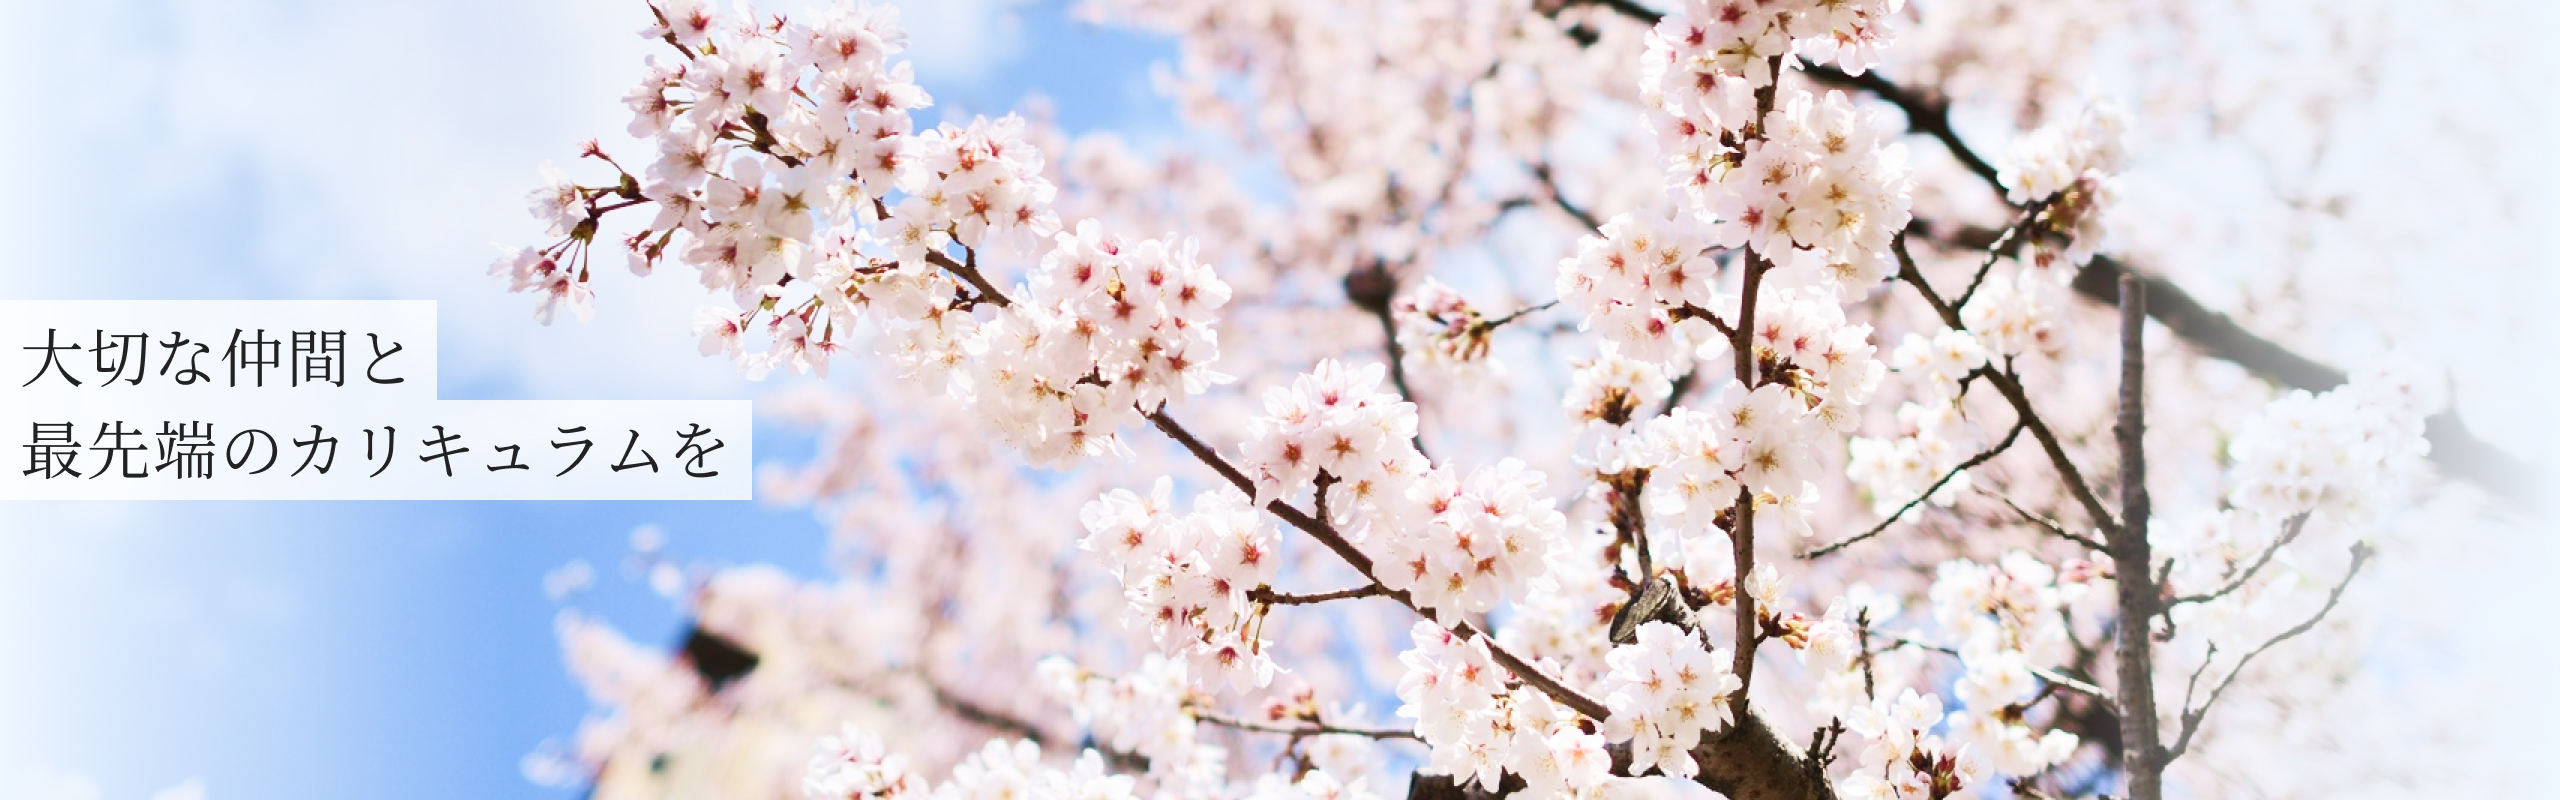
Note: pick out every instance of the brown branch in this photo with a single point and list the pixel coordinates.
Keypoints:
(2011, 238)
(1690, 311)
(2292, 529)
(2450, 444)
(1977, 460)
(1333, 540)
(2453, 446)
(1747, 760)
(1296, 731)
(2137, 597)
(970, 711)
(2049, 676)
(969, 272)
(1373, 289)
(1680, 387)
(2017, 396)
(1267, 596)
(1924, 111)
(2048, 523)
(1626, 516)
(2190, 716)
(1545, 174)
(1523, 311)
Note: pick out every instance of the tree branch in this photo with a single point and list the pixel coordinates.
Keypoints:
(2190, 717)
(1297, 731)
(2292, 529)
(2048, 523)
(1547, 179)
(1373, 289)
(1977, 460)
(970, 711)
(2017, 397)
(2450, 444)
(1324, 533)
(2137, 597)
(1266, 596)
(2049, 676)
(2453, 446)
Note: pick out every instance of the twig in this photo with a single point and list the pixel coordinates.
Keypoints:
(1373, 289)
(1516, 314)
(971, 711)
(969, 272)
(2048, 523)
(2007, 245)
(1546, 178)
(2017, 397)
(2292, 529)
(2192, 716)
(1294, 731)
(2049, 676)
(1267, 596)
(1333, 540)
(1977, 460)
(1680, 387)
(1688, 311)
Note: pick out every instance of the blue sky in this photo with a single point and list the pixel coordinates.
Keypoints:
(283, 150)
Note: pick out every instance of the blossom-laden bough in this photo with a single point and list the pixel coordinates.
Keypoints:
(1725, 404)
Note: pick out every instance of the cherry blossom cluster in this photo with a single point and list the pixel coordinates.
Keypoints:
(1994, 690)
(854, 766)
(1188, 576)
(1003, 770)
(1462, 545)
(767, 126)
(1553, 620)
(1458, 544)
(980, 186)
(2338, 450)
(1111, 328)
(764, 126)
(1809, 182)
(1902, 760)
(1140, 712)
(1335, 421)
(2007, 619)
(2012, 606)
(2338, 456)
(1645, 283)
(1709, 56)
(1702, 458)
(2068, 168)
(1843, 666)
(1665, 691)
(2016, 312)
(1935, 439)
(1934, 436)
(1446, 333)
(1608, 389)
(1478, 727)
(1817, 352)
(1938, 363)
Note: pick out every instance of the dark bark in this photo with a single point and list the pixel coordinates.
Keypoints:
(2137, 598)
(2451, 445)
